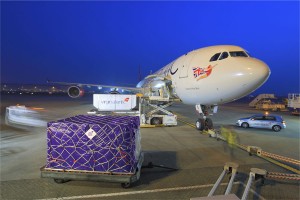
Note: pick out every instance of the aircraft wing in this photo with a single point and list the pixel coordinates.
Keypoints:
(97, 85)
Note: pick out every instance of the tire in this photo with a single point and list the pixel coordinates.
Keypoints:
(200, 124)
(155, 121)
(60, 181)
(276, 128)
(208, 124)
(245, 125)
(125, 185)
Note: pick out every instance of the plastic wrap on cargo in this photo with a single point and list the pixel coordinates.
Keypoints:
(94, 143)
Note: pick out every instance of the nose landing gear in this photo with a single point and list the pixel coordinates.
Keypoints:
(205, 123)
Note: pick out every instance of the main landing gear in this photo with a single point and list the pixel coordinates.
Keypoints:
(205, 123)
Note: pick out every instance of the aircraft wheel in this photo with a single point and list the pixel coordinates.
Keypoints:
(208, 123)
(200, 124)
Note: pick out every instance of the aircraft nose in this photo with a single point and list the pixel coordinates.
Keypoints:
(258, 71)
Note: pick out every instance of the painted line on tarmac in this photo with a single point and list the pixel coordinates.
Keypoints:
(187, 123)
(149, 191)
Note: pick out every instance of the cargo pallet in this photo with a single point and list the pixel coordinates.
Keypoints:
(62, 176)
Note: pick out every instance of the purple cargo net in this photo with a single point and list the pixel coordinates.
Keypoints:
(94, 143)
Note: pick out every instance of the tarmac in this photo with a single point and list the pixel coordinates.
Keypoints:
(195, 160)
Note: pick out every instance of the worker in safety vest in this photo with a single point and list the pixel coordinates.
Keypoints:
(231, 138)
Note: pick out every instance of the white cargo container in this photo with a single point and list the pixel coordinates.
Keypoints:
(114, 102)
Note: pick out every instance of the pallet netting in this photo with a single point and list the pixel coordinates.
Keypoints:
(109, 144)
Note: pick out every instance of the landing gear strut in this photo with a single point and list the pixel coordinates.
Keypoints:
(204, 123)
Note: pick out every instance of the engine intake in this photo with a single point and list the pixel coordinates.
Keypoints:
(75, 92)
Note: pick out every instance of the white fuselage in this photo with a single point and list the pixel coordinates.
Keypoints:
(204, 76)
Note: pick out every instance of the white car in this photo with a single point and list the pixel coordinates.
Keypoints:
(274, 122)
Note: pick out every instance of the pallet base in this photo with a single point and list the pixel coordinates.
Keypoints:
(60, 176)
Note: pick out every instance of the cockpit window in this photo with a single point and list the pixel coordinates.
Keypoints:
(238, 54)
(223, 56)
(214, 57)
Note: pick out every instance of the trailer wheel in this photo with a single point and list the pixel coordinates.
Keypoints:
(60, 181)
(125, 185)
(155, 121)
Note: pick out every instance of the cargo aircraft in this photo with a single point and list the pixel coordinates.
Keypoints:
(205, 77)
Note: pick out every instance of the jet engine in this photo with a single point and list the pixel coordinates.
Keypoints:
(75, 91)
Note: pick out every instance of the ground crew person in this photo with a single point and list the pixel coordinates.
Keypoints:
(230, 137)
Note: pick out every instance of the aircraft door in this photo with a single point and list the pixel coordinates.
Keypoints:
(185, 65)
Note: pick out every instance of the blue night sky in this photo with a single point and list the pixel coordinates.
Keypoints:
(106, 42)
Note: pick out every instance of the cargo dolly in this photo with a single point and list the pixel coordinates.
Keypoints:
(62, 176)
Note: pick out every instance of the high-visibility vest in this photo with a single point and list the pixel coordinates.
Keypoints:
(231, 139)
